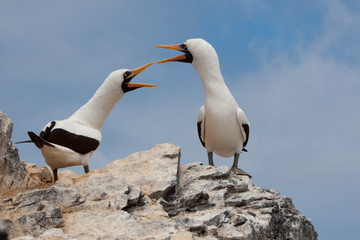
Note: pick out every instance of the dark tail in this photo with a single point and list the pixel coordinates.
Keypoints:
(36, 139)
(39, 142)
(27, 141)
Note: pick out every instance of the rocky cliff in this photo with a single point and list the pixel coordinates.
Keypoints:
(147, 195)
(13, 172)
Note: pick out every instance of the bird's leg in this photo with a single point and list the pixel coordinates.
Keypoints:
(210, 158)
(55, 172)
(235, 168)
(86, 169)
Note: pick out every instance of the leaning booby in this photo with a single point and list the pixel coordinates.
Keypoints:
(72, 141)
(222, 125)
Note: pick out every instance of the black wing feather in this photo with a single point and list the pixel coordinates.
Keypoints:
(78, 143)
(199, 133)
(247, 132)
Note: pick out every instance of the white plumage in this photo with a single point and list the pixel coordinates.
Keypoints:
(72, 141)
(222, 126)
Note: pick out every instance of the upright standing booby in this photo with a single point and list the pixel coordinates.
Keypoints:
(72, 141)
(222, 125)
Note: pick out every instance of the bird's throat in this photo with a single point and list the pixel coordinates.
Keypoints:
(98, 108)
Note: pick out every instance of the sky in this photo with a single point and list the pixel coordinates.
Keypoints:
(292, 66)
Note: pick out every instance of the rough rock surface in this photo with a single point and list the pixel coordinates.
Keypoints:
(13, 172)
(148, 195)
(214, 202)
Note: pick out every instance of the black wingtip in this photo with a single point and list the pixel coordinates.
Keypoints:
(244, 150)
(39, 142)
(199, 133)
(35, 139)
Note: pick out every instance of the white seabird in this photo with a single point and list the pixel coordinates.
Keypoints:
(72, 141)
(222, 125)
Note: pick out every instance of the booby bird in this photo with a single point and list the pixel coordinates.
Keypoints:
(222, 125)
(72, 141)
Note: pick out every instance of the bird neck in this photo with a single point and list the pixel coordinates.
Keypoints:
(213, 83)
(98, 108)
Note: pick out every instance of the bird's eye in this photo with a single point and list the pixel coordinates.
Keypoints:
(126, 75)
(184, 46)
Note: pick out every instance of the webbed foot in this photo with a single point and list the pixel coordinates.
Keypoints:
(239, 171)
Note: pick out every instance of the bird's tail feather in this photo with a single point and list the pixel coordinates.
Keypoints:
(27, 141)
(36, 139)
(39, 142)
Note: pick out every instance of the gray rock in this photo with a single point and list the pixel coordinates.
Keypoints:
(193, 200)
(13, 172)
(197, 226)
(37, 222)
(239, 220)
(65, 197)
(135, 196)
(219, 219)
(39, 210)
(237, 208)
(116, 225)
(4, 226)
(156, 170)
(103, 192)
(148, 196)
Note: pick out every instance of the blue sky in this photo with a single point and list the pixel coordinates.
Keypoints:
(293, 67)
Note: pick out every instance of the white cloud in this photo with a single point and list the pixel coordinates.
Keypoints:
(340, 36)
(305, 118)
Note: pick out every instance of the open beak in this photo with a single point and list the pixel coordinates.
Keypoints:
(186, 57)
(135, 72)
(137, 85)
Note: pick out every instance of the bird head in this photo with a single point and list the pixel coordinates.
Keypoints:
(195, 50)
(128, 75)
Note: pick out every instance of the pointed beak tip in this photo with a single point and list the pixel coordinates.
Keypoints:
(139, 85)
(150, 85)
(145, 66)
(138, 70)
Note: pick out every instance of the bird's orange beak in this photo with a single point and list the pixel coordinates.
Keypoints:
(135, 72)
(137, 85)
(187, 57)
(177, 47)
(179, 58)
